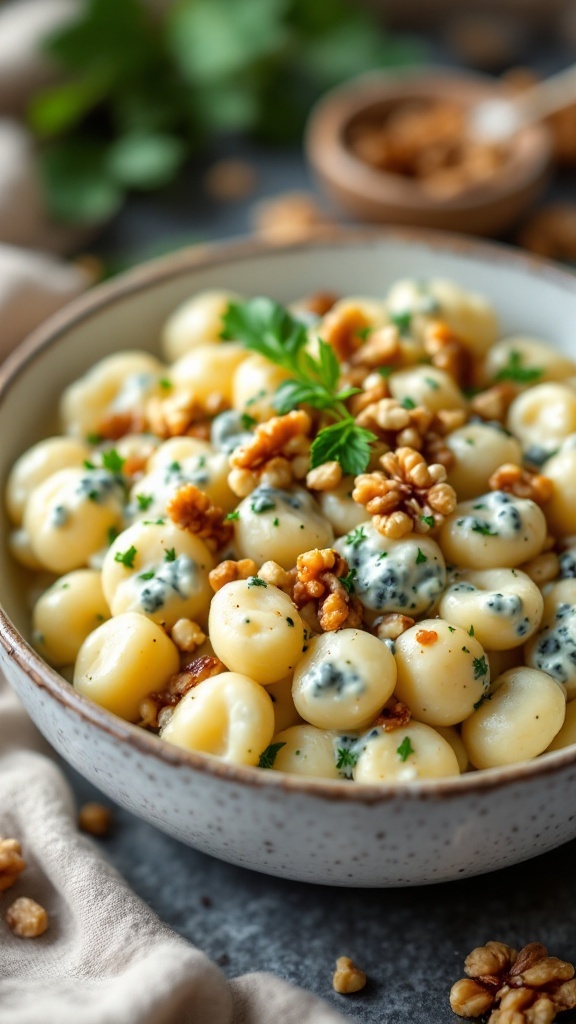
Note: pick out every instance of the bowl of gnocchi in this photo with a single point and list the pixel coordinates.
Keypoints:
(289, 565)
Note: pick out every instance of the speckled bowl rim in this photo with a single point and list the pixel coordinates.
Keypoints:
(203, 257)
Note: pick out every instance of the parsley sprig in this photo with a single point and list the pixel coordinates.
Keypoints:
(265, 326)
(515, 371)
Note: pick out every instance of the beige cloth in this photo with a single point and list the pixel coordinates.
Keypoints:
(106, 958)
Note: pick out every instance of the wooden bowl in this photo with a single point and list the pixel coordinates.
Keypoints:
(369, 194)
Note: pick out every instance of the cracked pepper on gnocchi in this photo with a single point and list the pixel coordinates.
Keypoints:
(336, 539)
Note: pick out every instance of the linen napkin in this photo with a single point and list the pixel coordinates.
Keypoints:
(105, 958)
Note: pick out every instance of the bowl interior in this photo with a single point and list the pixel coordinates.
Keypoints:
(530, 298)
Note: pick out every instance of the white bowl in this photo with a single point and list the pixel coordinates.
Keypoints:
(314, 830)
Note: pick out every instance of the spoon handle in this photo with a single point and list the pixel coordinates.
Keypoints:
(547, 97)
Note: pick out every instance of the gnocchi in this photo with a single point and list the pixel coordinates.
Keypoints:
(304, 543)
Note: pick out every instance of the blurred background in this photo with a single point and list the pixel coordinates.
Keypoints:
(132, 127)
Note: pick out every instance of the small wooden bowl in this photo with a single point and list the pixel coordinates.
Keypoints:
(369, 194)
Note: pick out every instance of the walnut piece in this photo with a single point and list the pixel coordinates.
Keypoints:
(493, 403)
(187, 635)
(325, 477)
(391, 625)
(522, 483)
(229, 571)
(528, 987)
(184, 414)
(278, 453)
(26, 918)
(417, 428)
(394, 715)
(319, 575)
(95, 819)
(117, 424)
(408, 494)
(157, 708)
(11, 862)
(347, 977)
(447, 351)
(193, 511)
(343, 329)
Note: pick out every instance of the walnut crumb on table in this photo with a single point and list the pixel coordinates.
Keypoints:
(95, 819)
(526, 987)
(26, 918)
(11, 862)
(347, 977)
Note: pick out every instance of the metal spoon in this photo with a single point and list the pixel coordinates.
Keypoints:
(498, 120)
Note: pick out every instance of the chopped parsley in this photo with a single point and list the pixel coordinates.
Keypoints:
(480, 666)
(471, 631)
(405, 749)
(515, 371)
(432, 384)
(112, 534)
(347, 581)
(466, 651)
(232, 515)
(429, 520)
(94, 439)
(408, 403)
(421, 557)
(174, 467)
(126, 558)
(262, 505)
(268, 756)
(363, 332)
(403, 321)
(144, 501)
(146, 575)
(87, 464)
(153, 522)
(356, 536)
(112, 461)
(451, 629)
(247, 421)
(385, 371)
(346, 758)
(170, 555)
(255, 581)
(479, 703)
(483, 528)
(165, 384)
(276, 522)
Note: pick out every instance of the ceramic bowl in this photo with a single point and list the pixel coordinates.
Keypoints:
(314, 830)
(369, 194)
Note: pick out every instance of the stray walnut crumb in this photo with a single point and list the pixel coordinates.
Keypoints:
(493, 403)
(319, 303)
(391, 625)
(448, 352)
(394, 715)
(522, 483)
(229, 571)
(426, 637)
(192, 510)
(528, 987)
(11, 862)
(187, 635)
(408, 494)
(347, 977)
(95, 819)
(278, 453)
(183, 414)
(156, 709)
(118, 424)
(325, 477)
(26, 918)
(319, 575)
(381, 349)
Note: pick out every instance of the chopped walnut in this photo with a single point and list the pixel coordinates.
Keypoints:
(522, 483)
(11, 862)
(273, 573)
(325, 477)
(278, 453)
(183, 414)
(448, 352)
(26, 918)
(406, 495)
(381, 348)
(187, 635)
(528, 987)
(374, 389)
(319, 575)
(417, 428)
(318, 303)
(156, 709)
(394, 715)
(229, 571)
(542, 569)
(193, 511)
(95, 819)
(343, 329)
(493, 404)
(347, 977)
(117, 424)
(391, 625)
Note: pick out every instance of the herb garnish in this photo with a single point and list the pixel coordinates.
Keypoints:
(268, 756)
(265, 326)
(144, 501)
(170, 555)
(126, 558)
(515, 371)
(408, 403)
(146, 575)
(483, 528)
(355, 537)
(112, 461)
(346, 758)
(405, 749)
(247, 421)
(255, 581)
(429, 520)
(480, 666)
(403, 321)
(421, 557)
(347, 581)
(232, 515)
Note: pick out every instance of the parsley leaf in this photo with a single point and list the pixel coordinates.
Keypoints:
(170, 555)
(247, 421)
(347, 581)
(126, 557)
(429, 520)
(515, 371)
(408, 403)
(255, 581)
(344, 442)
(405, 749)
(144, 501)
(471, 631)
(483, 528)
(146, 575)
(403, 321)
(232, 515)
(346, 758)
(484, 697)
(165, 384)
(480, 666)
(421, 557)
(268, 756)
(355, 537)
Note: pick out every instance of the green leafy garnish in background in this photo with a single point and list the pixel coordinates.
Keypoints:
(265, 326)
(144, 92)
(514, 370)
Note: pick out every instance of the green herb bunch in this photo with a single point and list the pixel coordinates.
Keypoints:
(143, 92)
